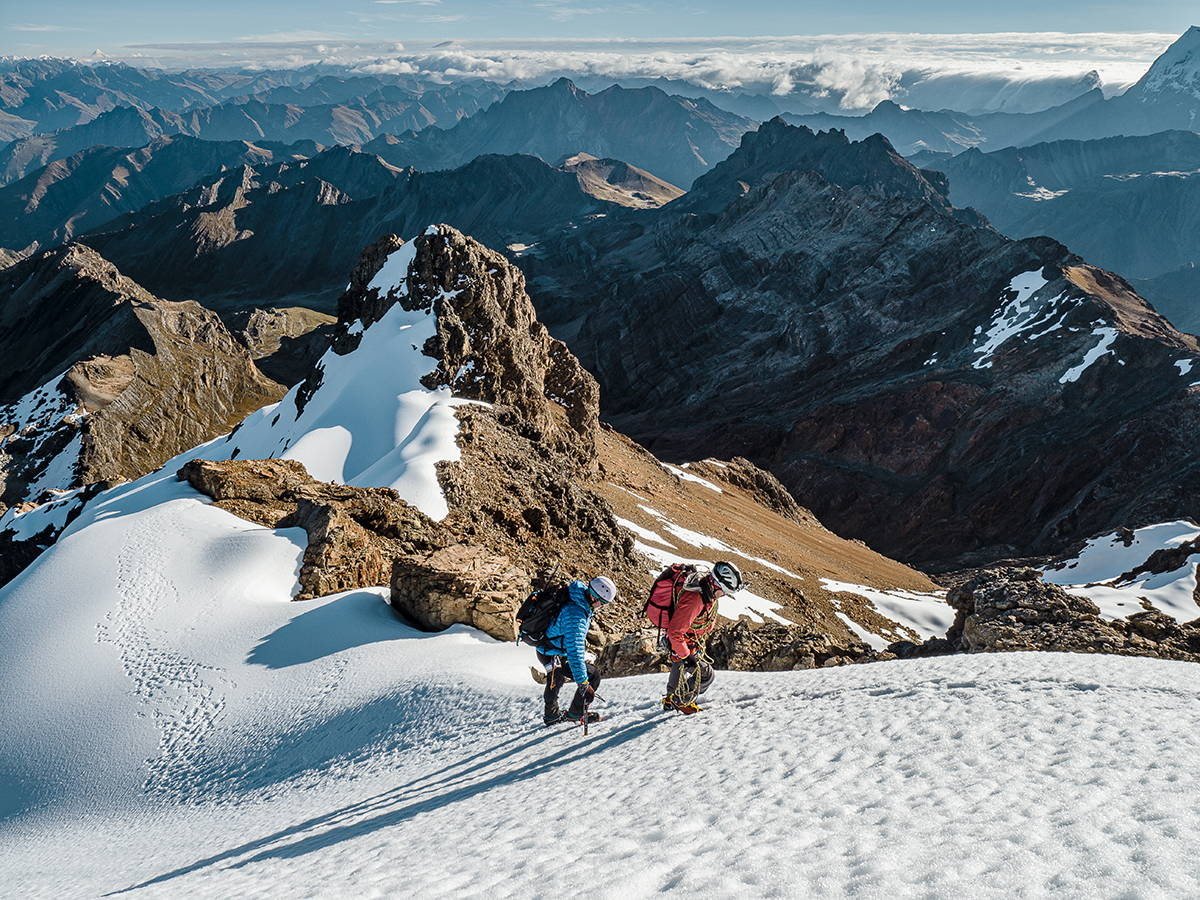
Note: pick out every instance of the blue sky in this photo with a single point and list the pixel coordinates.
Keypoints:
(79, 26)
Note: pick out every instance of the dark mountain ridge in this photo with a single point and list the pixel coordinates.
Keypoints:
(922, 382)
(676, 138)
(244, 237)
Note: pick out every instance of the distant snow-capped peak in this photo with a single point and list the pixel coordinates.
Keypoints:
(1177, 71)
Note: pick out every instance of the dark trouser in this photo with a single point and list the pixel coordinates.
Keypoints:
(706, 675)
(557, 676)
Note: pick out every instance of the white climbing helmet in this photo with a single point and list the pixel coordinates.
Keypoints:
(603, 589)
(727, 577)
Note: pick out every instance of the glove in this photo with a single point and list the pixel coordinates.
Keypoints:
(587, 692)
(691, 659)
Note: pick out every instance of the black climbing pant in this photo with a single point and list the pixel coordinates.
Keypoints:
(558, 673)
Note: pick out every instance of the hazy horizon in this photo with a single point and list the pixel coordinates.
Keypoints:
(859, 68)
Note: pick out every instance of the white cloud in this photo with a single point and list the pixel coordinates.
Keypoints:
(293, 37)
(1016, 70)
(42, 28)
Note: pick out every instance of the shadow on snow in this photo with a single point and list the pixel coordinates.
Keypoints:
(421, 795)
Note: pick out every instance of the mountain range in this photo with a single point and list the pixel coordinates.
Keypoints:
(241, 238)
(40, 96)
(830, 315)
(676, 138)
(354, 121)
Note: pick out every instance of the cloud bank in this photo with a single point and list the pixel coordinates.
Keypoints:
(978, 72)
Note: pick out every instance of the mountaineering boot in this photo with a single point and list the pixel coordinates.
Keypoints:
(669, 702)
(565, 718)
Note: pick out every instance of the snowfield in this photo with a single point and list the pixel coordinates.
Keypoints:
(175, 727)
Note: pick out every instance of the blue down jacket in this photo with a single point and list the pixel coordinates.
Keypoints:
(568, 631)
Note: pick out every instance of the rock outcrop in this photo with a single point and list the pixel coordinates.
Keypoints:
(354, 534)
(1013, 609)
(532, 496)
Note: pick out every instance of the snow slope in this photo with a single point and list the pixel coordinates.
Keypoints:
(182, 730)
(175, 727)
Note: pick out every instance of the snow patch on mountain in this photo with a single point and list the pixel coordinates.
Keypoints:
(644, 533)
(927, 614)
(1040, 193)
(39, 417)
(1097, 572)
(1021, 313)
(684, 475)
(371, 423)
(1102, 348)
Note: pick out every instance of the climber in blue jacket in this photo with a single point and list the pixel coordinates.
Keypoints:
(562, 652)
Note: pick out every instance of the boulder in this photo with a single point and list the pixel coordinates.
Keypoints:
(460, 584)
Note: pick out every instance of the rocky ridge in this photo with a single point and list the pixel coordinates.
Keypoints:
(529, 497)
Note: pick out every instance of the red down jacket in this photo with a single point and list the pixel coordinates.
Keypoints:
(691, 621)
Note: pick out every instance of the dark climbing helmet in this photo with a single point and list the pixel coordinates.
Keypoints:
(726, 576)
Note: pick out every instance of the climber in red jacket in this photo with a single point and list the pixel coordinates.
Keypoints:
(683, 602)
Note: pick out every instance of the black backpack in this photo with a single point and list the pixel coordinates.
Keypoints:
(538, 611)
